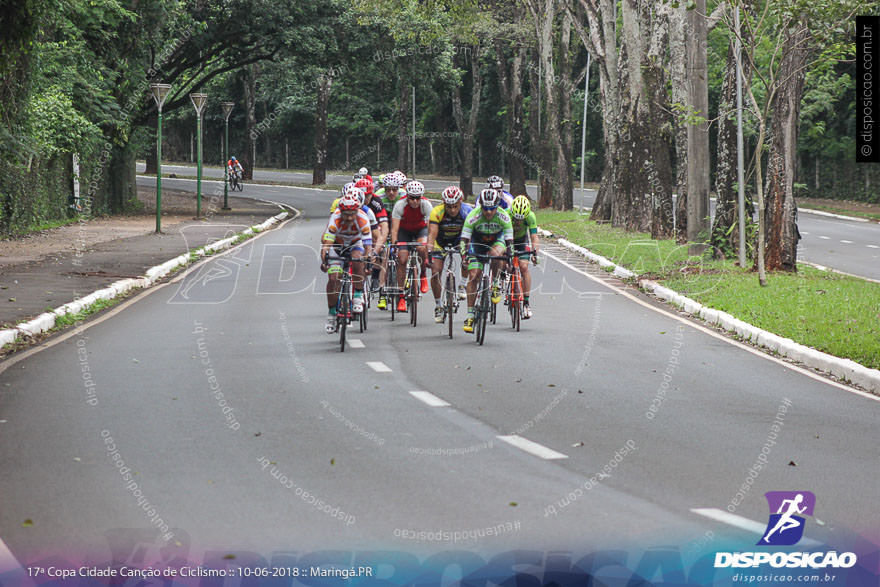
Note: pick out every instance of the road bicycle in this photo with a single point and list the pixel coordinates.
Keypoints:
(344, 312)
(391, 291)
(412, 282)
(449, 294)
(512, 289)
(484, 305)
(235, 181)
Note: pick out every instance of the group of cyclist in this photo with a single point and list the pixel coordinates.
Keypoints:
(368, 222)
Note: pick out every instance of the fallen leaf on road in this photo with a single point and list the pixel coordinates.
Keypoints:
(228, 557)
(332, 461)
(135, 360)
(258, 434)
(552, 385)
(27, 523)
(11, 299)
(513, 504)
(792, 464)
(576, 444)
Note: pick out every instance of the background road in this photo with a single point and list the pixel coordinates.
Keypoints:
(848, 246)
(578, 381)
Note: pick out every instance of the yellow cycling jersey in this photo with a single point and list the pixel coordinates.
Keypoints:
(334, 205)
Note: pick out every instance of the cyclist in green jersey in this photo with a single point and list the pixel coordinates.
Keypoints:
(525, 244)
(491, 231)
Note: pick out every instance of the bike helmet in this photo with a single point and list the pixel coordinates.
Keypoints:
(349, 201)
(233, 158)
(345, 188)
(380, 181)
(415, 188)
(452, 195)
(495, 182)
(394, 179)
(366, 185)
(489, 199)
(520, 207)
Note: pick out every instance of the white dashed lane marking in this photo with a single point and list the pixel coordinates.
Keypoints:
(827, 238)
(846, 242)
(356, 343)
(429, 398)
(533, 448)
(378, 366)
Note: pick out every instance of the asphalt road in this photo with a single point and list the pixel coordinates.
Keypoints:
(301, 426)
(844, 245)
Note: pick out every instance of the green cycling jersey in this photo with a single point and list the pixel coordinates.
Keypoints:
(527, 226)
(487, 230)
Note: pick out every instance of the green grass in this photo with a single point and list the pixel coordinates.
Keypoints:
(634, 250)
(837, 314)
(66, 320)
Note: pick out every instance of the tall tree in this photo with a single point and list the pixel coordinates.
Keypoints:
(467, 127)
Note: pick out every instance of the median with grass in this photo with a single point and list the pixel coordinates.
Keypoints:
(833, 313)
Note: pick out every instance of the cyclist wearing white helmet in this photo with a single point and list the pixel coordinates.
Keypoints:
(409, 224)
(496, 183)
(492, 233)
(348, 233)
(444, 230)
(525, 244)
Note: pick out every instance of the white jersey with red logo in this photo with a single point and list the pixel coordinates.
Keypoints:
(348, 232)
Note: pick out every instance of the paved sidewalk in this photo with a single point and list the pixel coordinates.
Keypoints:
(33, 287)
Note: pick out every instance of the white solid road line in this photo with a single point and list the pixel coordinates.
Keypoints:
(379, 367)
(745, 523)
(430, 399)
(356, 343)
(533, 448)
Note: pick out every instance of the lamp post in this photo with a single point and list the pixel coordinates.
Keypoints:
(199, 101)
(227, 110)
(160, 92)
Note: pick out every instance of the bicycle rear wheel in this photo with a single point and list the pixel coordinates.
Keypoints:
(484, 309)
(342, 315)
(390, 298)
(413, 295)
(516, 301)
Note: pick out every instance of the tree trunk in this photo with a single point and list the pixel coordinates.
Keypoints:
(402, 142)
(678, 34)
(250, 97)
(781, 210)
(698, 134)
(319, 174)
(563, 197)
(725, 237)
(643, 179)
(467, 129)
(511, 90)
(122, 180)
(601, 41)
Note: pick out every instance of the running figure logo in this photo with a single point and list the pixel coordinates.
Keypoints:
(786, 526)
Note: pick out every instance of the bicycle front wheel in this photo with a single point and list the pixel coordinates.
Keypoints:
(342, 316)
(450, 301)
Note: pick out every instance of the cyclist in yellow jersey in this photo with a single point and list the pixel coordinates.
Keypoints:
(444, 230)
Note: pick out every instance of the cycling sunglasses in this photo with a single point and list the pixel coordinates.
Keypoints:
(414, 197)
(489, 208)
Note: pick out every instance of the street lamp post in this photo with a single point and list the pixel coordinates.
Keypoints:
(199, 101)
(160, 92)
(227, 110)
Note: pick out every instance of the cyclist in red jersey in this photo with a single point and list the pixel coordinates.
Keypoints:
(409, 223)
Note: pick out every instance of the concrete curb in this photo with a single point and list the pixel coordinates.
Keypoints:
(832, 215)
(844, 369)
(46, 321)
